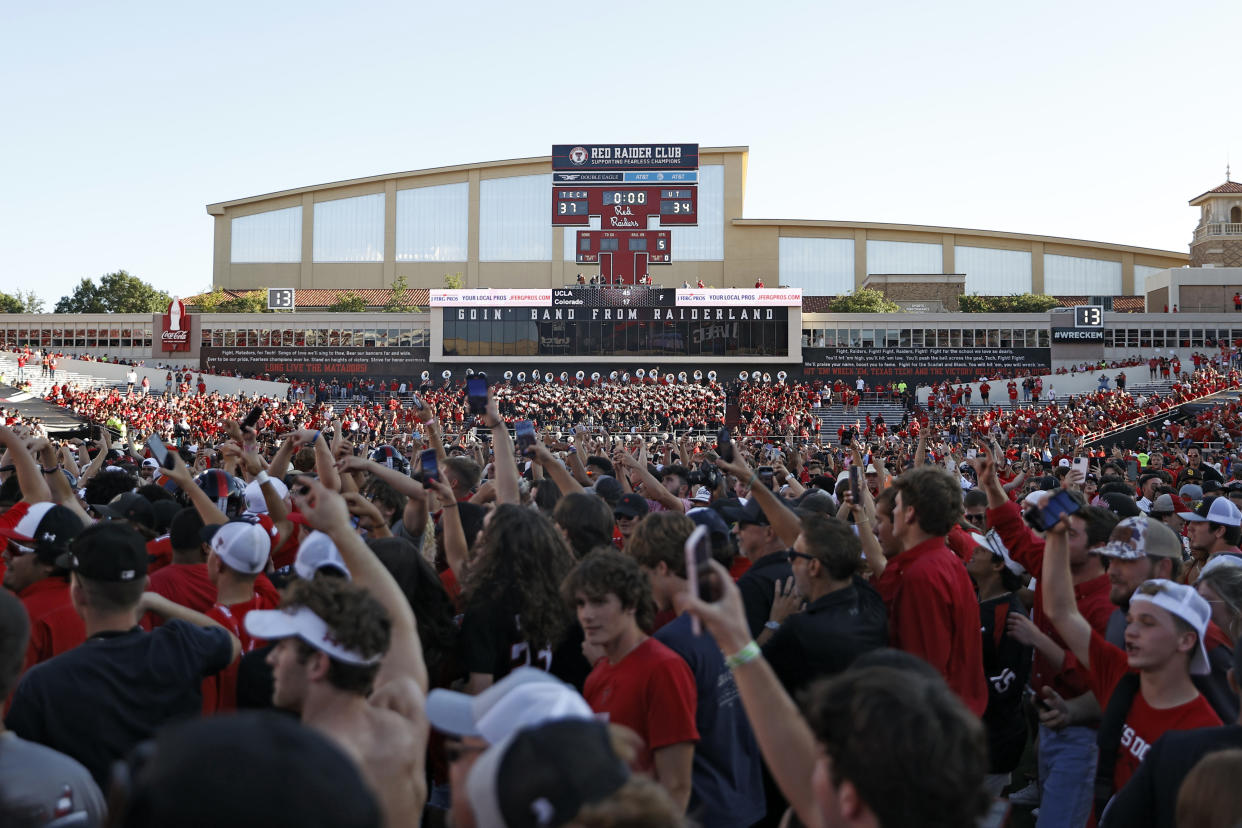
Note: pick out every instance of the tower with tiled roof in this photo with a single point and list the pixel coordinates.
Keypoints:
(1218, 238)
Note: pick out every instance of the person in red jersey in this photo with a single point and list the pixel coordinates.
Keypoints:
(1166, 626)
(933, 612)
(239, 551)
(32, 546)
(185, 581)
(639, 682)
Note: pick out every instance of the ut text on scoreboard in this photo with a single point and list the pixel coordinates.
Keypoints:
(630, 189)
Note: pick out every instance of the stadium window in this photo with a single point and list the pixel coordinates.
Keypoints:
(1108, 338)
(1044, 338)
(1196, 337)
(1132, 337)
(1183, 338)
(905, 338)
(1144, 337)
(942, 339)
(955, 338)
(1235, 215)
(993, 337)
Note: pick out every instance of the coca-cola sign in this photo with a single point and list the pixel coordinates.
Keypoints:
(175, 333)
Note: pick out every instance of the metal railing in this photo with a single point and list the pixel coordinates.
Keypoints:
(1217, 229)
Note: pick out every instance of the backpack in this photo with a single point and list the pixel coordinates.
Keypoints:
(1108, 738)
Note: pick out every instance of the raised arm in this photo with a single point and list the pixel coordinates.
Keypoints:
(556, 470)
(785, 739)
(207, 508)
(784, 522)
(502, 449)
(1058, 590)
(34, 488)
(326, 511)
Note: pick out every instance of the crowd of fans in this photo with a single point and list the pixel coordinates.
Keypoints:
(579, 623)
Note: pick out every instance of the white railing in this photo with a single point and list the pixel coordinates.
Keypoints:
(1217, 230)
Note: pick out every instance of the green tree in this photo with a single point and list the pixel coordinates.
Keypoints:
(117, 292)
(1016, 303)
(453, 281)
(866, 300)
(397, 300)
(348, 302)
(22, 301)
(219, 301)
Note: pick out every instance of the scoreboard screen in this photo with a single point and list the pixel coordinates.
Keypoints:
(624, 207)
(656, 245)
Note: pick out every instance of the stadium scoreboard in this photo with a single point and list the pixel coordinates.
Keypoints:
(628, 188)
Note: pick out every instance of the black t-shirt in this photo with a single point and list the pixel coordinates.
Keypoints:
(758, 585)
(98, 700)
(1006, 666)
(493, 643)
(828, 635)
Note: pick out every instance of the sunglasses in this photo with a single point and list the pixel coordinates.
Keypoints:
(801, 555)
(977, 519)
(15, 549)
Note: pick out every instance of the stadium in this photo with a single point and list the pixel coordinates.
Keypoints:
(489, 228)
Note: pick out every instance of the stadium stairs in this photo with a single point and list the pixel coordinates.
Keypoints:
(40, 385)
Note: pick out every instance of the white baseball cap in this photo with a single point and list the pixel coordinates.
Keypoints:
(255, 503)
(241, 545)
(1185, 603)
(524, 698)
(316, 552)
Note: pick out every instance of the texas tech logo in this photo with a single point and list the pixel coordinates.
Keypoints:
(578, 156)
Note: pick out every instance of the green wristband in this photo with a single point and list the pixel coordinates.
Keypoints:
(746, 655)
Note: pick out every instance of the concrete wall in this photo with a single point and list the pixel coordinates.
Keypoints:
(225, 385)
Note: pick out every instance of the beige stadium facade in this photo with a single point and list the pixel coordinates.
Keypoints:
(367, 232)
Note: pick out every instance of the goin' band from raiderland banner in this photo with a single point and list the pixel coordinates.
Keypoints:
(175, 328)
(923, 366)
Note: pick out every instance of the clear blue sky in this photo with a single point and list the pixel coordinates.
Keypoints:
(1088, 120)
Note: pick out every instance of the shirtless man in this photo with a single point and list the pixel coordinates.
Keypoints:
(350, 675)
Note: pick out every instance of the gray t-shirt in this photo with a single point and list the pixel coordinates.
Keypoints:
(48, 787)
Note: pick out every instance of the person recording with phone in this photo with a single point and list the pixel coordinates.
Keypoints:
(726, 782)
(1067, 749)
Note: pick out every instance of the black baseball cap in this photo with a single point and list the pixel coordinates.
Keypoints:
(544, 775)
(129, 506)
(112, 552)
(632, 505)
(751, 512)
(48, 528)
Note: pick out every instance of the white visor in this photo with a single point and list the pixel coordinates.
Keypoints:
(306, 625)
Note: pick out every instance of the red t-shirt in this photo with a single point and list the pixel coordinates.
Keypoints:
(54, 624)
(159, 551)
(184, 584)
(1144, 723)
(220, 690)
(652, 692)
(934, 614)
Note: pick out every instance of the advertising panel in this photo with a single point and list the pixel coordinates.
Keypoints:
(922, 366)
(319, 363)
(490, 297)
(788, 297)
